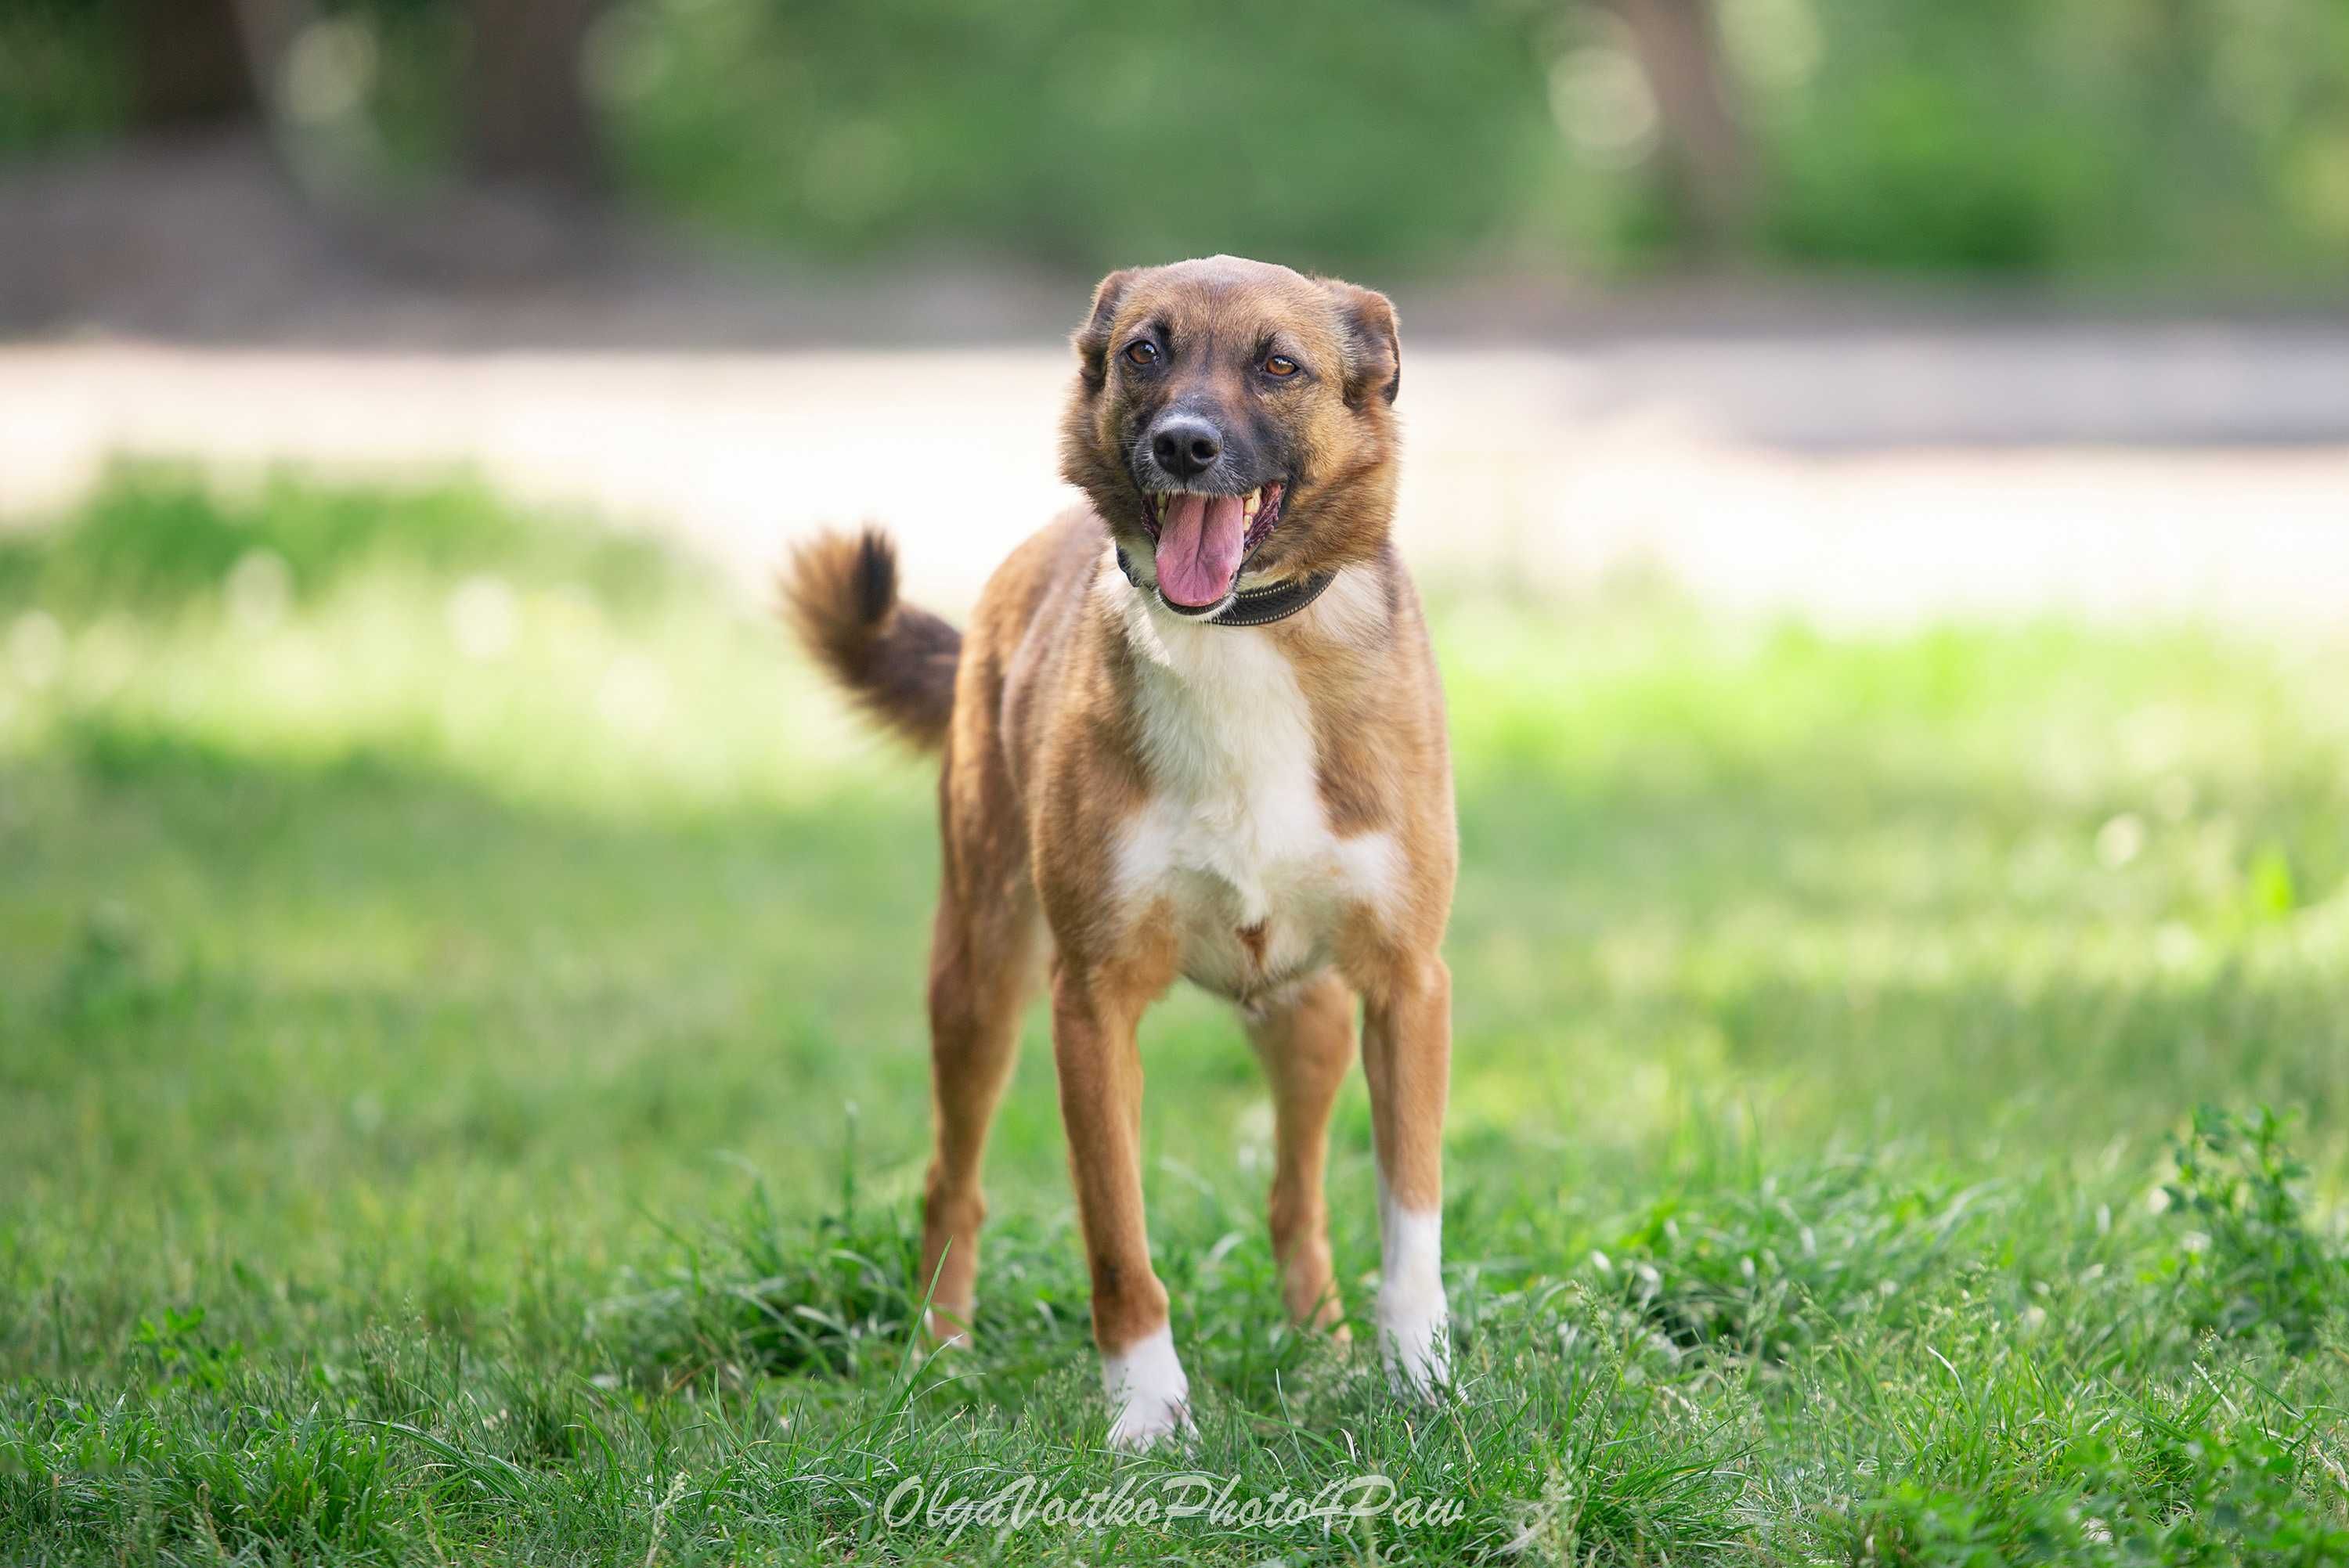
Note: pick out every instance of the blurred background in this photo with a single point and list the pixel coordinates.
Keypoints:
(1932, 420)
(1868, 309)
(1879, 473)
(2155, 148)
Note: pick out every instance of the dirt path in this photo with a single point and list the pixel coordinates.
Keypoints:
(1551, 468)
(1836, 453)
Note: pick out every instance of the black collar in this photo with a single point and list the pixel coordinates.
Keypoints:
(1250, 607)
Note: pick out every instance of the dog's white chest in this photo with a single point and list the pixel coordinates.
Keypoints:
(1234, 840)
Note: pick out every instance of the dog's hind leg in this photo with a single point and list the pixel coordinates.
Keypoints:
(1305, 1038)
(983, 969)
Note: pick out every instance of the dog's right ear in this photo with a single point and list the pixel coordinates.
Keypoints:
(1092, 338)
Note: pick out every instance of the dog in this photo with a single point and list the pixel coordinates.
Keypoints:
(1194, 728)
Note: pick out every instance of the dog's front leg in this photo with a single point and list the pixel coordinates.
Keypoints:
(1094, 1019)
(1407, 1058)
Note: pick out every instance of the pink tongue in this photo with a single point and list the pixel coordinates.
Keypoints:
(1199, 541)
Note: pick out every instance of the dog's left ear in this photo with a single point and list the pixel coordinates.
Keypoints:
(1373, 351)
(1092, 338)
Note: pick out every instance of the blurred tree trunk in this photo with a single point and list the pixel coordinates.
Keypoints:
(528, 117)
(189, 65)
(1678, 45)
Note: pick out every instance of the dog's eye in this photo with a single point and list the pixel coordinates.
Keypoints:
(1143, 352)
(1281, 364)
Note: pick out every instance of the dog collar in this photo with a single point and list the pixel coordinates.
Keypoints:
(1252, 606)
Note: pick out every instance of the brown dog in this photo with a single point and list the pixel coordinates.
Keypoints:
(1194, 729)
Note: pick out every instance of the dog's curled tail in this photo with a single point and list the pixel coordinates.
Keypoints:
(840, 595)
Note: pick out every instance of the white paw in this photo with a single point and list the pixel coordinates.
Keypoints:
(1414, 1320)
(1146, 1386)
(1415, 1338)
(949, 1329)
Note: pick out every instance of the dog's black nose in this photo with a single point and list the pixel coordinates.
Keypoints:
(1185, 445)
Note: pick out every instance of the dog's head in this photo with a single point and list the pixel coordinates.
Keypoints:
(1233, 417)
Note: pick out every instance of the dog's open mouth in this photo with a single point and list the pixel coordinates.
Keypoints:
(1202, 541)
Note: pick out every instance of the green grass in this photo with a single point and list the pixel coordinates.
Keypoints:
(463, 1090)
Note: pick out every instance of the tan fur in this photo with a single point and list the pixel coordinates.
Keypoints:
(1305, 1041)
(1048, 771)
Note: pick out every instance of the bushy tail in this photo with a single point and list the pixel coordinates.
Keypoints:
(840, 594)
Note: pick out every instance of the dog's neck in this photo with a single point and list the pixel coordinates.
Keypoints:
(1259, 607)
(1347, 624)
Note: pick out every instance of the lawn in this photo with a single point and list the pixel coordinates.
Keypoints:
(462, 1091)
